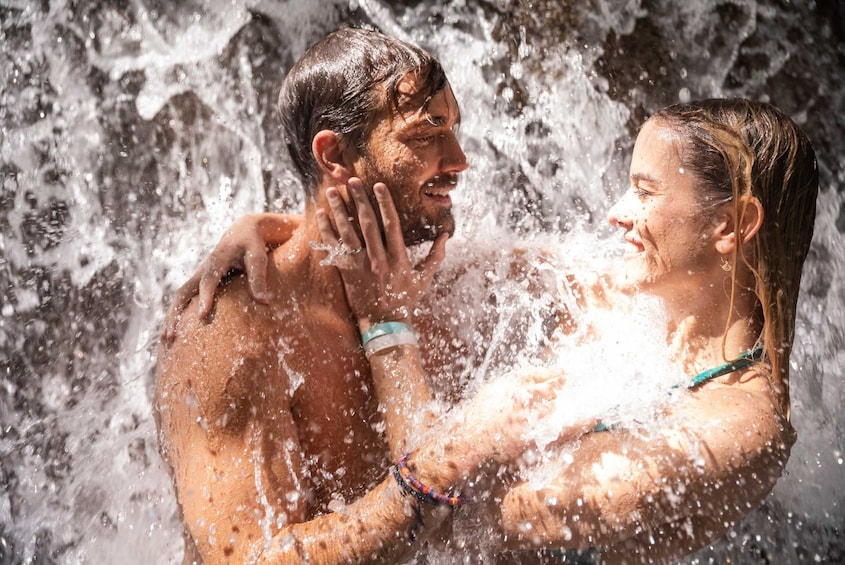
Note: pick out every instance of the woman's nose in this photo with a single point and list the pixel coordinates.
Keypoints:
(618, 214)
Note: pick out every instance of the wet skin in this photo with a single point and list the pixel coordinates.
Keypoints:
(669, 232)
(416, 153)
(267, 412)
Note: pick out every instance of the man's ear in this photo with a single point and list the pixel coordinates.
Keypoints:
(726, 229)
(328, 150)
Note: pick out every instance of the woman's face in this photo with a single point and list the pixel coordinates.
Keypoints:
(671, 237)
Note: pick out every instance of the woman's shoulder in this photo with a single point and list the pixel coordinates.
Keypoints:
(744, 412)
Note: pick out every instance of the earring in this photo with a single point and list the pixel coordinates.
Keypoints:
(725, 265)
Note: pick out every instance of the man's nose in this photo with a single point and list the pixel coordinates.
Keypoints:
(453, 159)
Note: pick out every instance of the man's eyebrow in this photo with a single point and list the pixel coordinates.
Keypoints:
(425, 121)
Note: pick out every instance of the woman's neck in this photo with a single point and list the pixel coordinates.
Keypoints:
(704, 333)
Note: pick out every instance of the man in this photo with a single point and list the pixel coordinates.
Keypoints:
(266, 413)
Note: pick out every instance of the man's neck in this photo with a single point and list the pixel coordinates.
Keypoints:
(299, 262)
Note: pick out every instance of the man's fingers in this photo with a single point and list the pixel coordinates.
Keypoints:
(390, 218)
(434, 259)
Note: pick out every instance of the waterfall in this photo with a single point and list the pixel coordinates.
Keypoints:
(132, 133)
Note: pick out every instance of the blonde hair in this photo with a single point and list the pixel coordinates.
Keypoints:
(738, 148)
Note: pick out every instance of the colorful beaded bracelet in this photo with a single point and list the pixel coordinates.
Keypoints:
(410, 484)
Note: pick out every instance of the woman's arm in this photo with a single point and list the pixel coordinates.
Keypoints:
(244, 247)
(382, 286)
(678, 487)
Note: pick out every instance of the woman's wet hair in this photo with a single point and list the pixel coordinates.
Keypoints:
(737, 148)
(343, 83)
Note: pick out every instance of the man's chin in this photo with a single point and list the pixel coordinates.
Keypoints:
(429, 232)
(446, 228)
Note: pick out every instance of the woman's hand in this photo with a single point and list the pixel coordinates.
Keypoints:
(380, 280)
(243, 247)
(494, 426)
(497, 423)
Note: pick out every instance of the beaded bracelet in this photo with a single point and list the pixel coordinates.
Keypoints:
(385, 328)
(410, 484)
(387, 341)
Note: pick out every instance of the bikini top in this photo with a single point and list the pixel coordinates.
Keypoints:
(742, 362)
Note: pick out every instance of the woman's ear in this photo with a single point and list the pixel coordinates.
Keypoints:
(752, 218)
(328, 151)
(726, 229)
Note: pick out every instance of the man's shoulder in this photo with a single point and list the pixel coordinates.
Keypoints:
(223, 358)
(236, 323)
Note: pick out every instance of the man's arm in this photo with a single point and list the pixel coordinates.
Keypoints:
(239, 479)
(672, 490)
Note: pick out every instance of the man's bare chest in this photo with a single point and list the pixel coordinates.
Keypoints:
(334, 409)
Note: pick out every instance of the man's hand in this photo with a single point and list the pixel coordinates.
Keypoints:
(380, 280)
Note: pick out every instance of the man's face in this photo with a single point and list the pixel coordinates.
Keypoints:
(416, 153)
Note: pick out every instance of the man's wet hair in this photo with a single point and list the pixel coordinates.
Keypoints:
(344, 83)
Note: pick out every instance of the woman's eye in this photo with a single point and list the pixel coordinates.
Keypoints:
(640, 192)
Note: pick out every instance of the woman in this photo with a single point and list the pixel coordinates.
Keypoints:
(719, 218)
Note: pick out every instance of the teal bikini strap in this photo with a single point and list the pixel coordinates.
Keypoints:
(742, 362)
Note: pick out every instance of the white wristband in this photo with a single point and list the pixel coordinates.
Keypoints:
(386, 341)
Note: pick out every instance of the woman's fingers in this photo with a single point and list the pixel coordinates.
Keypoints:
(327, 233)
(382, 283)
(255, 264)
(207, 285)
(433, 260)
(181, 298)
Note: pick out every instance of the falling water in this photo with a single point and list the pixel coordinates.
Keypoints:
(134, 132)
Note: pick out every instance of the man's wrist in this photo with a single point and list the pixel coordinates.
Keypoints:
(387, 335)
(364, 324)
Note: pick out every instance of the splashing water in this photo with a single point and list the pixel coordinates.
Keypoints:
(133, 133)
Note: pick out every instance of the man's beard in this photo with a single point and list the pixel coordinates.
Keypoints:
(424, 230)
(416, 228)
